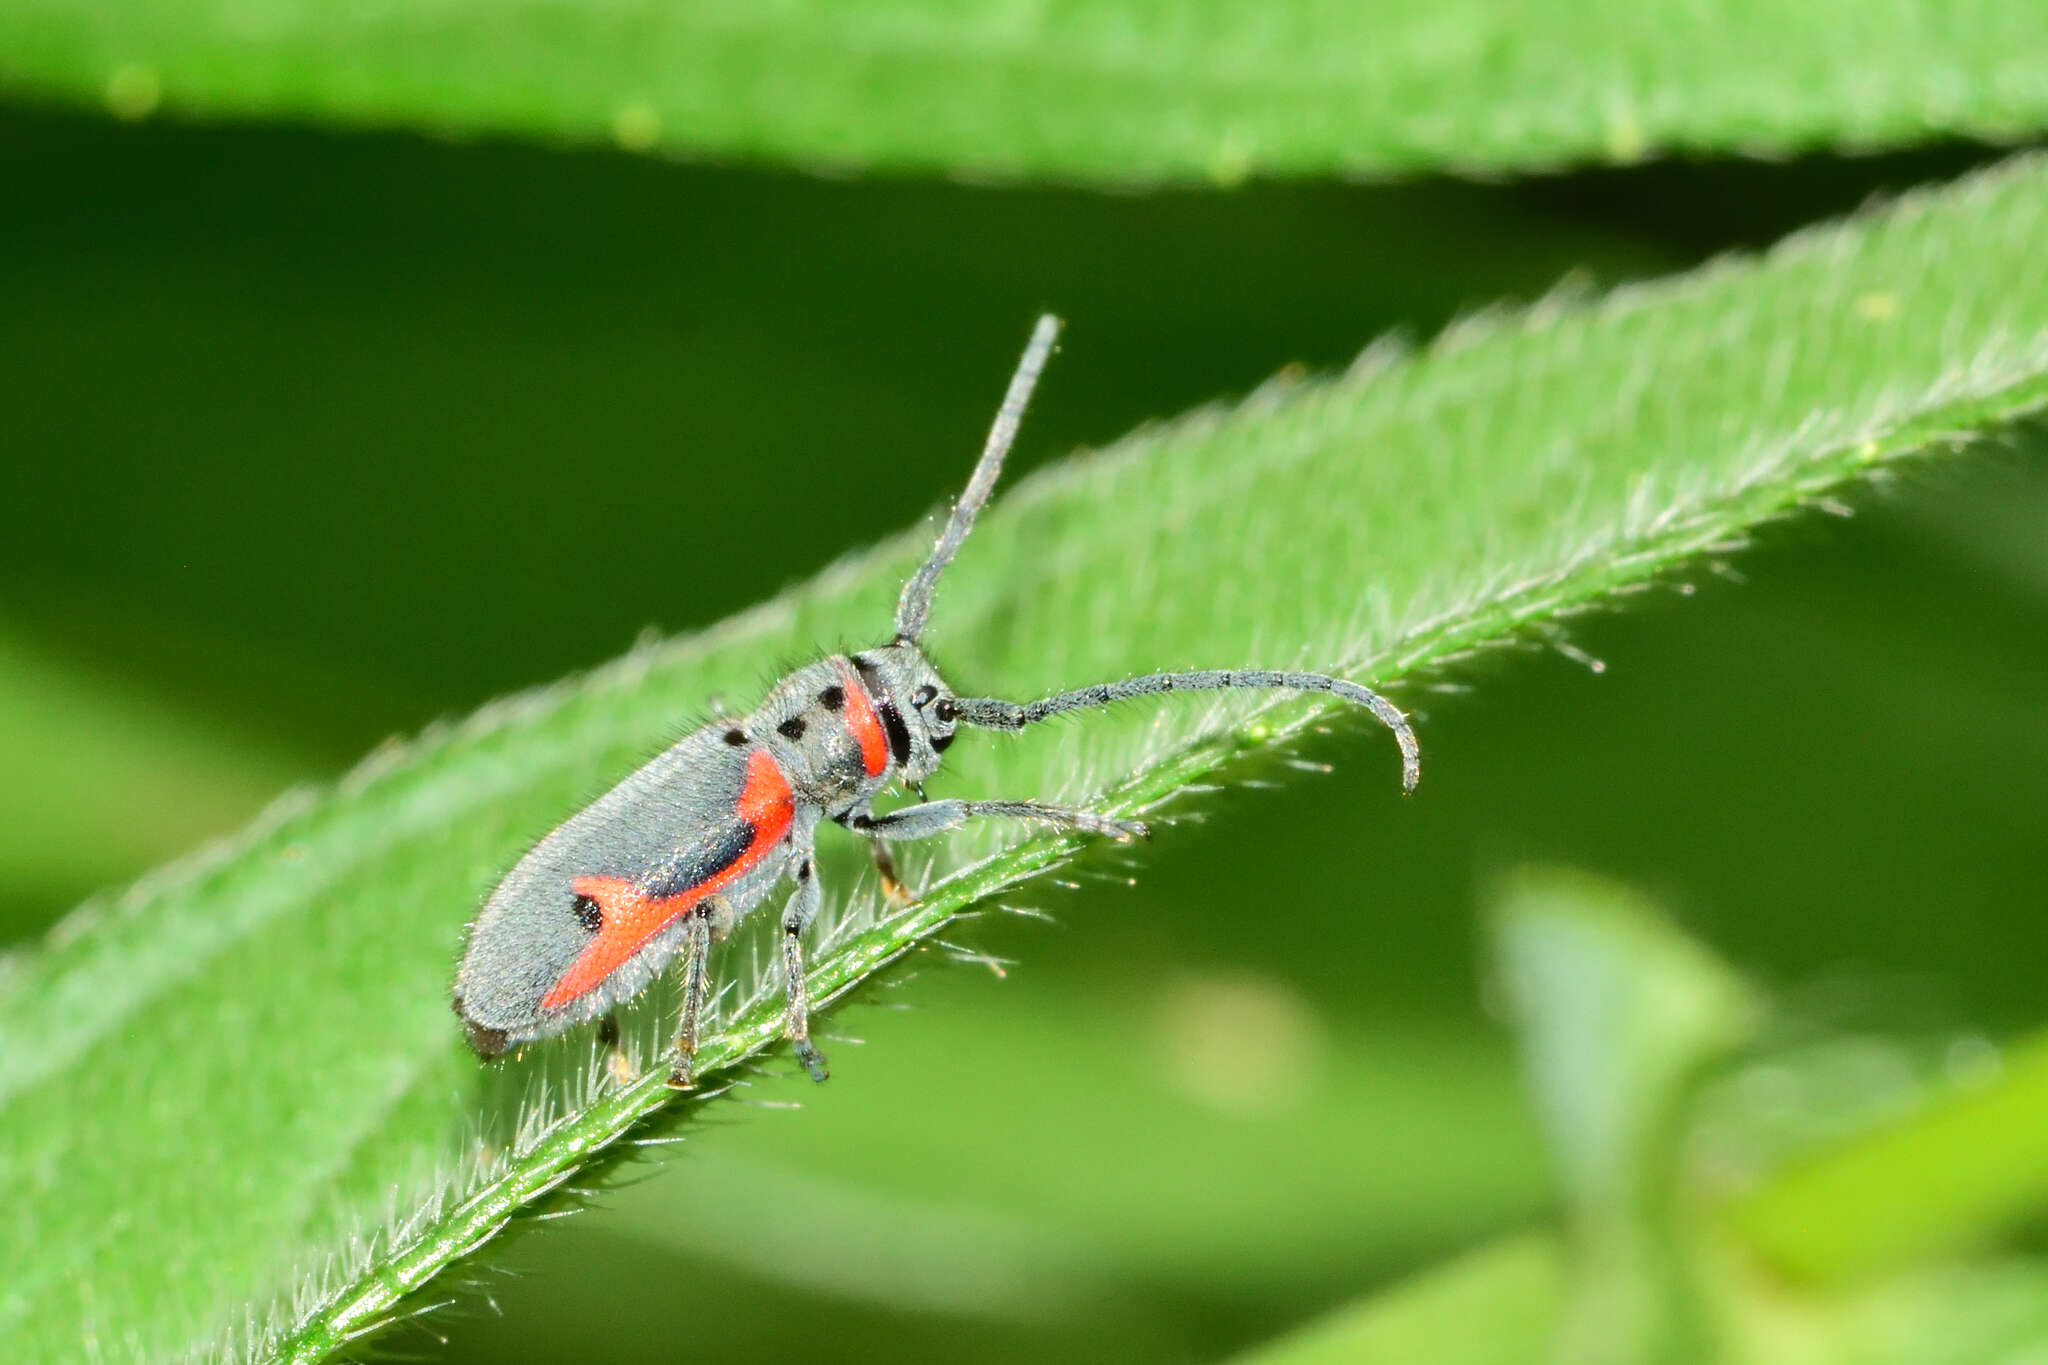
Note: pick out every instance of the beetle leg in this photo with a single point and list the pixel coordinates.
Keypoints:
(615, 1060)
(860, 820)
(936, 817)
(892, 884)
(797, 917)
(697, 938)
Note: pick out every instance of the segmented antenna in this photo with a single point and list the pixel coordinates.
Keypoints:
(914, 607)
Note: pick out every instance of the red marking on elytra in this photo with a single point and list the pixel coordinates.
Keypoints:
(865, 724)
(631, 917)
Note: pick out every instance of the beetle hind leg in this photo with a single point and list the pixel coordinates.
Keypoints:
(797, 1021)
(797, 917)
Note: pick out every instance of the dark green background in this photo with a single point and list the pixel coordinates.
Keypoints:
(312, 438)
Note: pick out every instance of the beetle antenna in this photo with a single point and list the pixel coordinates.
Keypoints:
(992, 714)
(914, 607)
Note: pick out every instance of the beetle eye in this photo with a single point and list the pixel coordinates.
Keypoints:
(946, 711)
(923, 696)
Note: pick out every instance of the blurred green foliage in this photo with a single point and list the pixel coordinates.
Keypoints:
(313, 438)
(1132, 93)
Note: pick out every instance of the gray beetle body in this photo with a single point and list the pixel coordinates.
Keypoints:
(706, 831)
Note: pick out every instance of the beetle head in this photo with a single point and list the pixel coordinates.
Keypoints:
(904, 684)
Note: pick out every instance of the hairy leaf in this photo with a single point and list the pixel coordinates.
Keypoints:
(275, 1011)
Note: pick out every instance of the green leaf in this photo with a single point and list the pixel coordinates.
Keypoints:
(1973, 1313)
(283, 1002)
(1497, 1306)
(1618, 1014)
(1144, 90)
(1965, 1165)
(850, 1197)
(121, 780)
(1503, 1305)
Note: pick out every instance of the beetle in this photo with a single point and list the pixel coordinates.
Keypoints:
(709, 829)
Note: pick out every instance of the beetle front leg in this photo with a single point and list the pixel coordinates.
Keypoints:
(936, 817)
(797, 917)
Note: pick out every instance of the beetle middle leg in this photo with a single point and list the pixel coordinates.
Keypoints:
(936, 817)
(697, 949)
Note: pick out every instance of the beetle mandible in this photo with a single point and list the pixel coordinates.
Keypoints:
(709, 829)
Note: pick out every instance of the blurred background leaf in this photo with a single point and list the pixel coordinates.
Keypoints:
(1497, 1306)
(122, 778)
(1130, 91)
(1968, 1161)
(1619, 1016)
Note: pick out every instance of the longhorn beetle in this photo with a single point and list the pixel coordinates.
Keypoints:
(701, 835)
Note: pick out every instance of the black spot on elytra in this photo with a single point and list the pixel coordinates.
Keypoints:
(833, 697)
(735, 737)
(793, 728)
(588, 914)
